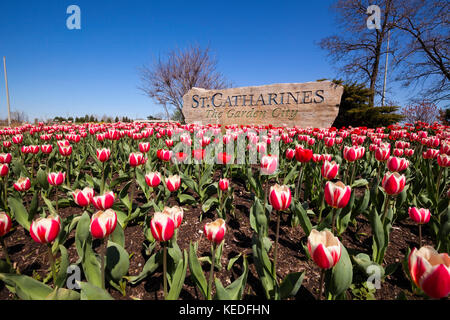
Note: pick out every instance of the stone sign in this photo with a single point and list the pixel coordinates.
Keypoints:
(310, 104)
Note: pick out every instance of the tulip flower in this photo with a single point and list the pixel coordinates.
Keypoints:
(153, 179)
(224, 184)
(7, 144)
(395, 164)
(103, 154)
(56, 178)
(290, 153)
(136, 159)
(5, 227)
(176, 213)
(46, 148)
(22, 184)
(350, 153)
(443, 160)
(303, 155)
(173, 183)
(198, 154)
(269, 164)
(162, 227)
(419, 216)
(103, 202)
(4, 169)
(65, 151)
(393, 183)
(325, 250)
(164, 155)
(83, 197)
(337, 194)
(144, 147)
(280, 197)
(382, 154)
(224, 158)
(430, 271)
(45, 230)
(5, 157)
(103, 223)
(329, 170)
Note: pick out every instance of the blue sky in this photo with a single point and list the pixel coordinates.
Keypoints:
(56, 71)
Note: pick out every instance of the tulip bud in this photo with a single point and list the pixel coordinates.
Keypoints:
(23, 184)
(164, 155)
(103, 223)
(45, 230)
(280, 197)
(224, 184)
(215, 231)
(104, 201)
(56, 178)
(430, 271)
(393, 183)
(324, 248)
(329, 170)
(153, 179)
(350, 153)
(83, 197)
(162, 226)
(337, 194)
(5, 224)
(419, 215)
(173, 183)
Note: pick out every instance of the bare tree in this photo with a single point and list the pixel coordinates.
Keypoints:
(357, 49)
(19, 116)
(425, 111)
(169, 79)
(426, 50)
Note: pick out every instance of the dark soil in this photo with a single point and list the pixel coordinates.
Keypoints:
(31, 259)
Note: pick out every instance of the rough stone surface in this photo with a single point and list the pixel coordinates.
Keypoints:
(310, 104)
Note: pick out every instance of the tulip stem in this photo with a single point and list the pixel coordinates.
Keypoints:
(52, 262)
(102, 186)
(299, 182)
(56, 198)
(353, 173)
(322, 278)
(211, 272)
(5, 184)
(386, 206)
(165, 269)
(68, 172)
(333, 221)
(275, 249)
(438, 184)
(420, 235)
(102, 260)
(5, 250)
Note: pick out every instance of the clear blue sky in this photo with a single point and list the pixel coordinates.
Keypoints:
(56, 71)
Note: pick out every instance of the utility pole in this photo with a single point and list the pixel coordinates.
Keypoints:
(385, 69)
(7, 91)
